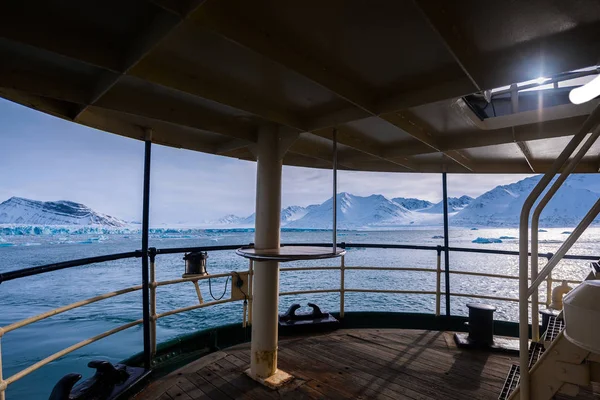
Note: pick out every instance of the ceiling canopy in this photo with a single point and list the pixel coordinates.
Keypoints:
(406, 84)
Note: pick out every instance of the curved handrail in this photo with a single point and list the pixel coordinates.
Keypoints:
(4, 383)
(588, 125)
(32, 271)
(535, 219)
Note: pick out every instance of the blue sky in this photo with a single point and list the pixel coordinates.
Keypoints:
(46, 158)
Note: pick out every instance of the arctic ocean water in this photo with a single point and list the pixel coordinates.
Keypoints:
(30, 296)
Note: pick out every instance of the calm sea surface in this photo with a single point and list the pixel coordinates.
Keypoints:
(26, 297)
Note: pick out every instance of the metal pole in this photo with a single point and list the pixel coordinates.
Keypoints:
(549, 289)
(587, 126)
(342, 284)
(3, 385)
(566, 246)
(263, 347)
(250, 295)
(446, 251)
(153, 318)
(145, 258)
(535, 325)
(334, 225)
(438, 282)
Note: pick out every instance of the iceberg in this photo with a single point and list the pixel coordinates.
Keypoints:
(481, 240)
(507, 237)
(542, 230)
(437, 237)
(566, 233)
(474, 229)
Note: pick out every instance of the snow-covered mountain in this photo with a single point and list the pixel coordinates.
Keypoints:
(454, 204)
(502, 205)
(356, 212)
(230, 219)
(17, 210)
(412, 204)
(288, 214)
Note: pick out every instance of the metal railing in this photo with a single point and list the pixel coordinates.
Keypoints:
(566, 163)
(244, 293)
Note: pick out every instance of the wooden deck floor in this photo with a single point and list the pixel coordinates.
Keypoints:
(348, 364)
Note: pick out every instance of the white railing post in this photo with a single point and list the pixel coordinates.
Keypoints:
(438, 283)
(153, 302)
(2, 383)
(549, 289)
(342, 286)
(198, 292)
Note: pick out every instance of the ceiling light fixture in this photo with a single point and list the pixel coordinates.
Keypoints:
(586, 92)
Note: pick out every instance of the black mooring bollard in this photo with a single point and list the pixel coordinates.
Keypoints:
(481, 324)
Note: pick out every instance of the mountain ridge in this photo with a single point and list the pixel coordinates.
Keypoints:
(19, 210)
(500, 206)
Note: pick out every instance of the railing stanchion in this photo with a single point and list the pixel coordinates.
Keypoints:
(549, 284)
(2, 383)
(152, 254)
(342, 286)
(198, 292)
(438, 282)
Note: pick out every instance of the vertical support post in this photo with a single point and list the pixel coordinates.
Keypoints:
(549, 282)
(549, 289)
(2, 383)
(446, 250)
(438, 282)
(250, 293)
(198, 292)
(342, 286)
(535, 306)
(153, 316)
(335, 166)
(263, 357)
(145, 258)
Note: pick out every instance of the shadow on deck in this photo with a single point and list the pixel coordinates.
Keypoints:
(348, 364)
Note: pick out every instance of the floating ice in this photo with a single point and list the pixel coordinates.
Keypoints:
(481, 240)
(474, 229)
(437, 237)
(566, 233)
(507, 237)
(542, 230)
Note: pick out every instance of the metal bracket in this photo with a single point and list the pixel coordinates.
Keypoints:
(578, 374)
(239, 285)
(198, 292)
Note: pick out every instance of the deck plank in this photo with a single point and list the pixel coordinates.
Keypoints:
(382, 364)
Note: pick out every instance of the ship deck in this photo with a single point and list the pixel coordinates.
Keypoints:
(350, 364)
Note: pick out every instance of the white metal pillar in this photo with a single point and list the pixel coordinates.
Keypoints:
(265, 281)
